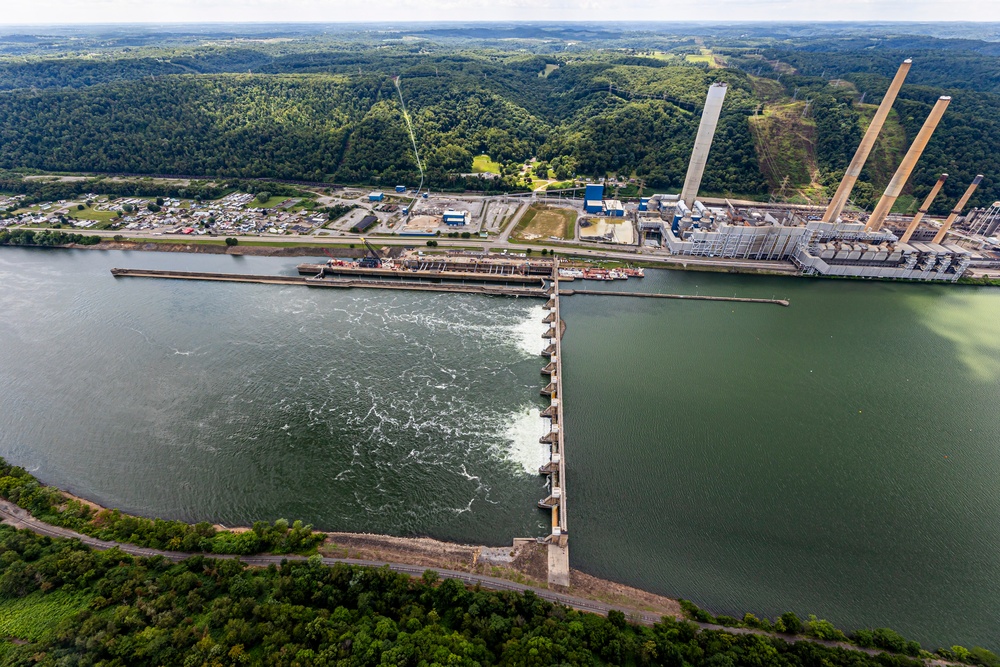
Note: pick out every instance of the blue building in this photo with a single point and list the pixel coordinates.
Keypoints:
(593, 198)
(456, 218)
(400, 188)
(643, 203)
(614, 208)
(375, 196)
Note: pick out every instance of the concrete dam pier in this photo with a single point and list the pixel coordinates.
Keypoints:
(555, 468)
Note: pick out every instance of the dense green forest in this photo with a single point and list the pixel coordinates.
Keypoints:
(67, 605)
(320, 105)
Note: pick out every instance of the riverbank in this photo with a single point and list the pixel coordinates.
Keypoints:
(220, 248)
(524, 562)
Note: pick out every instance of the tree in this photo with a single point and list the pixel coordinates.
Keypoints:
(262, 197)
(790, 623)
(230, 241)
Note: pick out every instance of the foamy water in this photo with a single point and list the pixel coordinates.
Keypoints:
(528, 332)
(523, 432)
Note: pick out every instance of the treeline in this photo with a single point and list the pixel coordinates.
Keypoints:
(44, 189)
(139, 611)
(288, 128)
(29, 237)
(333, 115)
(52, 506)
(342, 121)
(883, 639)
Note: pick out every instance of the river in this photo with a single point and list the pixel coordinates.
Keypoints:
(839, 457)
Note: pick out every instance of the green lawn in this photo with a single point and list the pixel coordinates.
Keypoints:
(482, 164)
(270, 203)
(103, 218)
(37, 614)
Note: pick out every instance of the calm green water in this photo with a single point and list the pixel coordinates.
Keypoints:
(839, 457)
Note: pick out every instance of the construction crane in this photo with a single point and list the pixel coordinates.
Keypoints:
(372, 262)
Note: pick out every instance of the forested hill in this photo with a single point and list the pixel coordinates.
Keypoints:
(325, 109)
(330, 122)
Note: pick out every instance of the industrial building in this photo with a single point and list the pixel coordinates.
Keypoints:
(364, 224)
(594, 202)
(830, 243)
(454, 218)
(376, 196)
(593, 198)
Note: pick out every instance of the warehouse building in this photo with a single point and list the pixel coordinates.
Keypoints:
(454, 218)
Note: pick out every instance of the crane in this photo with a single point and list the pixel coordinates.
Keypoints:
(372, 262)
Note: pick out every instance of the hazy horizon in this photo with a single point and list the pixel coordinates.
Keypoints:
(96, 12)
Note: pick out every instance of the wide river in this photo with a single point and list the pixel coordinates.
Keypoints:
(839, 457)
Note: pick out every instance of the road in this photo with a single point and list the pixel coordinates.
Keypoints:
(500, 244)
(15, 516)
(19, 518)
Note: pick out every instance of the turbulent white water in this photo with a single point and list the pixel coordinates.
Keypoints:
(355, 410)
(528, 332)
(526, 427)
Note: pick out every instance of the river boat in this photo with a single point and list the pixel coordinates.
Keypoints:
(597, 274)
(570, 273)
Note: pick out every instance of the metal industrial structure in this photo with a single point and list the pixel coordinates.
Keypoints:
(829, 242)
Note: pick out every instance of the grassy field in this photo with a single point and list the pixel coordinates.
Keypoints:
(905, 204)
(786, 146)
(270, 203)
(549, 69)
(704, 57)
(545, 221)
(482, 164)
(103, 218)
(35, 615)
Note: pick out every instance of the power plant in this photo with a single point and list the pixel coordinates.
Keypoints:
(818, 241)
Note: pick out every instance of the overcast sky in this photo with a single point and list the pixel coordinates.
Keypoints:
(186, 11)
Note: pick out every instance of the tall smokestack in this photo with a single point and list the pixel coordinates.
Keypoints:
(923, 209)
(703, 142)
(958, 209)
(895, 187)
(867, 143)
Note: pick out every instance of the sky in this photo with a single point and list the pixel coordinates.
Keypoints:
(13, 12)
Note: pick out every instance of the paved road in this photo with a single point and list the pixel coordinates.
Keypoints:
(15, 516)
(501, 243)
(19, 518)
